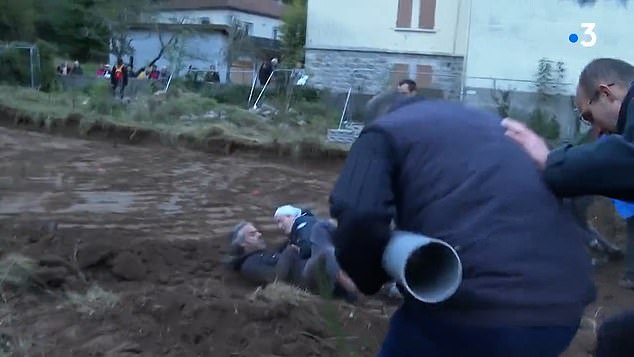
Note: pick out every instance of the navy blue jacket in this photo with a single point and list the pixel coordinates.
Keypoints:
(300, 233)
(604, 167)
(448, 171)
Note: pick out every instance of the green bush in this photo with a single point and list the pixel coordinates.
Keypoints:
(14, 67)
(236, 94)
(544, 124)
(307, 94)
(100, 97)
(48, 74)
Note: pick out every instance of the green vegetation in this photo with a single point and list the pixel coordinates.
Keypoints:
(548, 81)
(177, 114)
(294, 31)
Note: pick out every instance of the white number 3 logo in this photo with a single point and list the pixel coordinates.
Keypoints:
(591, 38)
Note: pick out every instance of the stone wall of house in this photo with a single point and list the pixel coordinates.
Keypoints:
(373, 72)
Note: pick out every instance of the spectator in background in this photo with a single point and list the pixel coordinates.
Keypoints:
(154, 73)
(266, 69)
(142, 74)
(119, 78)
(76, 69)
(164, 74)
(212, 75)
(605, 99)
(103, 71)
(63, 69)
(407, 87)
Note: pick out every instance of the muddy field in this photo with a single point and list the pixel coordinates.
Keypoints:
(126, 246)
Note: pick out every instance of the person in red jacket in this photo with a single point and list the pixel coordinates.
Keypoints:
(119, 78)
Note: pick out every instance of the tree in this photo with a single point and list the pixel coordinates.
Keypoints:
(17, 20)
(239, 44)
(294, 31)
(74, 26)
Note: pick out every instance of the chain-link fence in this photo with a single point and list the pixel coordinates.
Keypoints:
(22, 59)
(534, 102)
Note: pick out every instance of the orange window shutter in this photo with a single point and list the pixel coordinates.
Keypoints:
(427, 14)
(404, 14)
(424, 74)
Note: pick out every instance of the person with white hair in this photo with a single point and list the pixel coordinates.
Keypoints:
(309, 237)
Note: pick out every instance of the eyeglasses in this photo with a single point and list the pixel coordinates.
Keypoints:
(586, 117)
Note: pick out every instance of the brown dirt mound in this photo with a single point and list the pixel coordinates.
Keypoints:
(109, 297)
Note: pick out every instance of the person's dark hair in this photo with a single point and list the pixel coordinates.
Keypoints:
(605, 70)
(411, 85)
(119, 61)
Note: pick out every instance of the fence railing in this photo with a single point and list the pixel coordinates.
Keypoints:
(32, 54)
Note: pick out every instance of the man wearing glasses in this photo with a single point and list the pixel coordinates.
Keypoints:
(605, 99)
(605, 167)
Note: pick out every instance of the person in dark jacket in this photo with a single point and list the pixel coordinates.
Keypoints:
(297, 224)
(265, 72)
(447, 171)
(119, 78)
(603, 167)
(311, 237)
(250, 256)
(605, 99)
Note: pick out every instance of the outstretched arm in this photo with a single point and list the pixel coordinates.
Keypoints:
(605, 167)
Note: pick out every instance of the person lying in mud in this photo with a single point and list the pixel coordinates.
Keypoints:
(309, 236)
(251, 257)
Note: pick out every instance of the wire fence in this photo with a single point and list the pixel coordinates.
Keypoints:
(28, 54)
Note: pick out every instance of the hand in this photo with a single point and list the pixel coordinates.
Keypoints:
(532, 143)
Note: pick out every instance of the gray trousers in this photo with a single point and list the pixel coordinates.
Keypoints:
(317, 273)
(629, 253)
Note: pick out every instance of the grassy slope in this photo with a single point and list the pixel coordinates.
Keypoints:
(174, 115)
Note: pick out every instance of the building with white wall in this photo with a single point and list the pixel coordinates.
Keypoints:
(207, 23)
(371, 44)
(507, 39)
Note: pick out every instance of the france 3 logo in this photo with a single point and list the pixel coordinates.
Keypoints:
(589, 35)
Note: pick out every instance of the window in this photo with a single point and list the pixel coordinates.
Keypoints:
(416, 14)
(399, 71)
(248, 27)
(427, 14)
(404, 14)
(424, 75)
(276, 33)
(205, 20)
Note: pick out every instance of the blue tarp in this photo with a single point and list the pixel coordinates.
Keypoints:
(624, 209)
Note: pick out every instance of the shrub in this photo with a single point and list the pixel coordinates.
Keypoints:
(544, 124)
(14, 66)
(236, 94)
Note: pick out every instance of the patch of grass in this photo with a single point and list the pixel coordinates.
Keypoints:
(16, 271)
(94, 302)
(281, 292)
(178, 113)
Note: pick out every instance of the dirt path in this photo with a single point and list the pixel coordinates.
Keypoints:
(150, 225)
